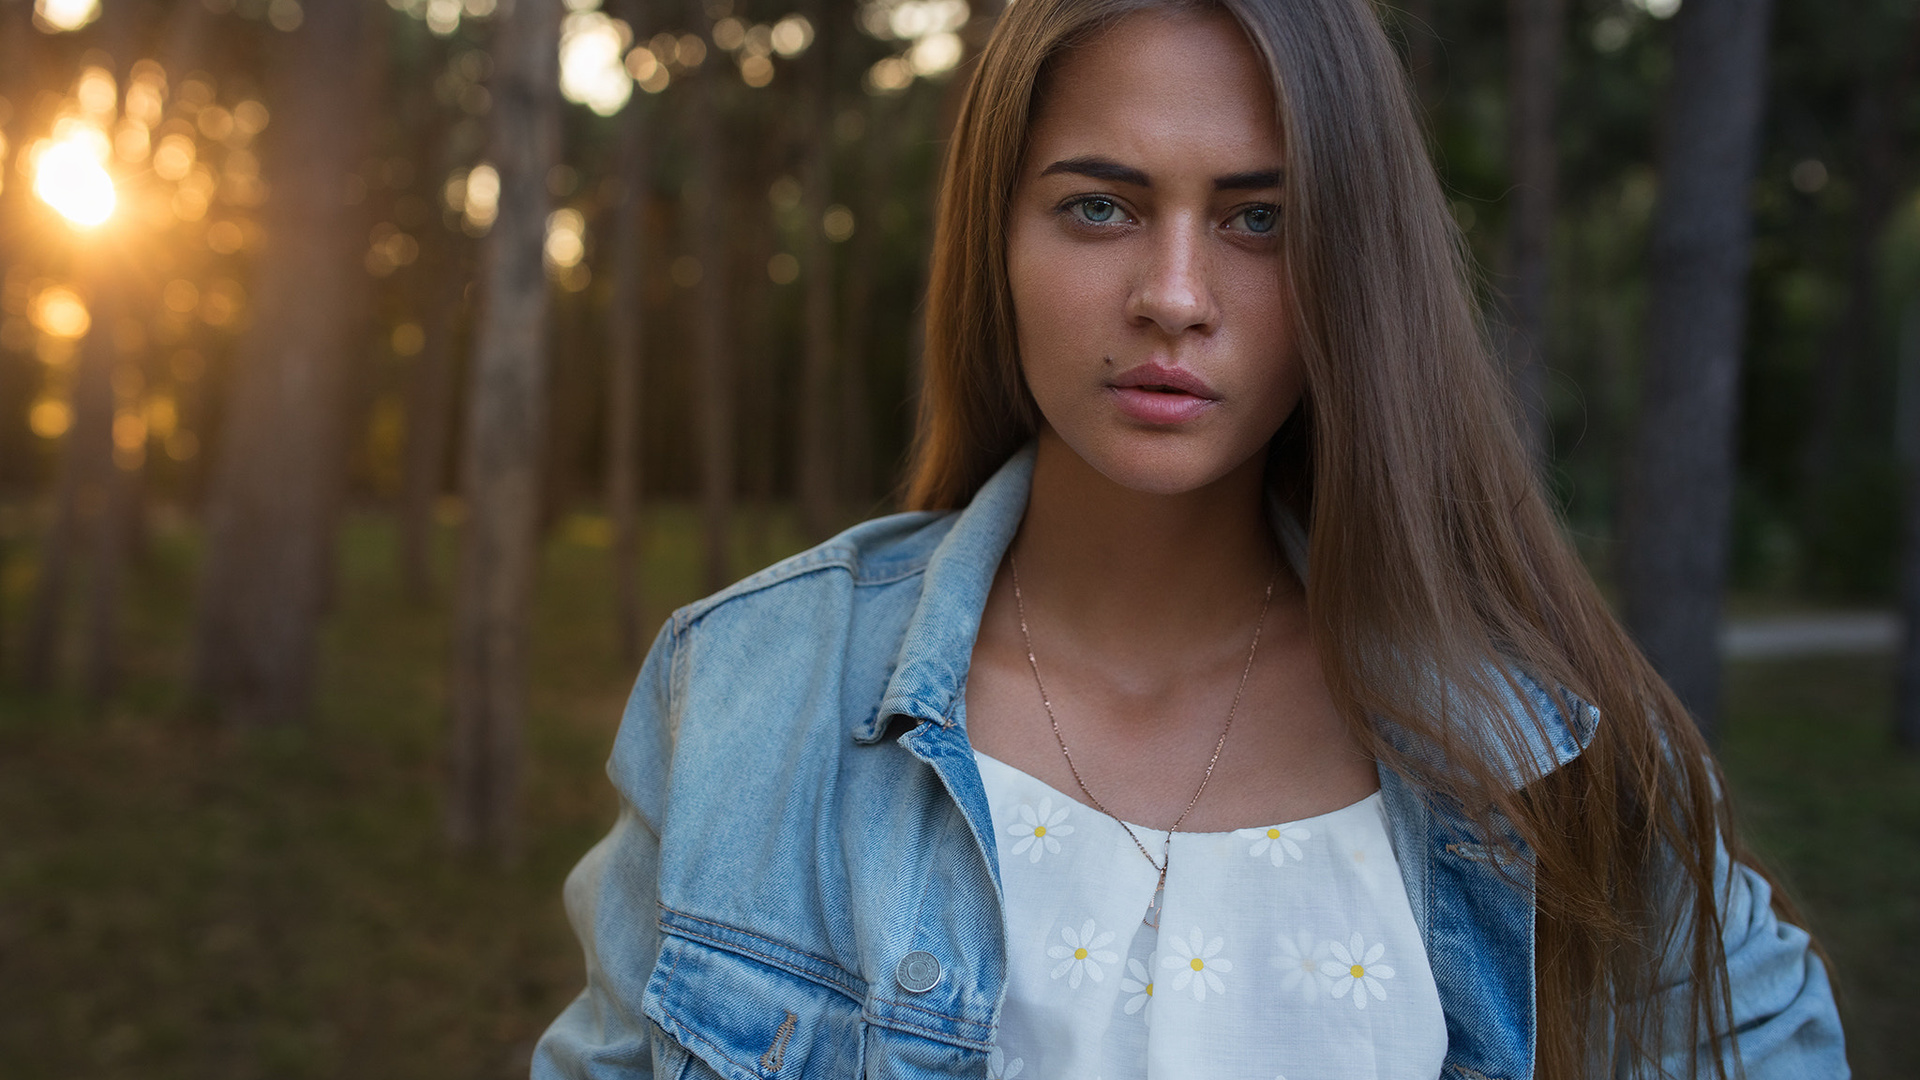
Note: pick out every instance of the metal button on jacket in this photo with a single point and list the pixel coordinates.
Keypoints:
(918, 972)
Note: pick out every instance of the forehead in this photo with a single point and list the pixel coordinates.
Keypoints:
(1179, 88)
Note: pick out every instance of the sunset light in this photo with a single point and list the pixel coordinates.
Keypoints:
(60, 15)
(70, 176)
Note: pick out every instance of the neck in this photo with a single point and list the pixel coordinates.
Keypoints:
(1116, 567)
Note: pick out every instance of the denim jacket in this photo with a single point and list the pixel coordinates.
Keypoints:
(802, 882)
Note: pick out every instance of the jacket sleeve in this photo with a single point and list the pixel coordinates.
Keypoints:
(611, 898)
(1785, 1023)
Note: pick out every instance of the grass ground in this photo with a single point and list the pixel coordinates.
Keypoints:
(180, 901)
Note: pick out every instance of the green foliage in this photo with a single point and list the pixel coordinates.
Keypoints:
(178, 900)
(1837, 819)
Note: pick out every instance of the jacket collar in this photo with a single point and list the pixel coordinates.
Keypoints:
(930, 670)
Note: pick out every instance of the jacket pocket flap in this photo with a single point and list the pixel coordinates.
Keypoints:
(748, 1015)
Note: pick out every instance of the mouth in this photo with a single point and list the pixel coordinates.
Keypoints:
(1153, 378)
(1160, 396)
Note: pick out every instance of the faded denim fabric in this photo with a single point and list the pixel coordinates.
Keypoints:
(804, 841)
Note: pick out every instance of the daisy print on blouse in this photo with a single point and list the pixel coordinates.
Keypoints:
(999, 1068)
(1299, 962)
(1277, 842)
(1354, 967)
(1083, 954)
(1138, 982)
(1197, 962)
(1039, 831)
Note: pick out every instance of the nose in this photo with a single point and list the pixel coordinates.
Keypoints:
(1173, 288)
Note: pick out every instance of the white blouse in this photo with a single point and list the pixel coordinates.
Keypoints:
(1287, 951)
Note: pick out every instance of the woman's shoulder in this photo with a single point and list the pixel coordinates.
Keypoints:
(778, 645)
(877, 552)
(768, 666)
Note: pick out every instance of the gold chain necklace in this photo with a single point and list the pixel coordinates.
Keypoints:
(1152, 918)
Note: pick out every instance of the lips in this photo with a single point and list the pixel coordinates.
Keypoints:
(1160, 396)
(1158, 378)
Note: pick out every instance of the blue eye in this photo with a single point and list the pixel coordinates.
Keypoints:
(1096, 210)
(1260, 220)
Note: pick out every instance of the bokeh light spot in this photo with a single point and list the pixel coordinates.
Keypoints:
(50, 418)
(64, 15)
(408, 339)
(592, 68)
(173, 158)
(480, 199)
(180, 295)
(285, 15)
(935, 54)
(250, 117)
(129, 430)
(566, 238)
(792, 35)
(59, 312)
(837, 223)
(96, 91)
(225, 237)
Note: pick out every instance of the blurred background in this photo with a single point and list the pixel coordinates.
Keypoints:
(376, 375)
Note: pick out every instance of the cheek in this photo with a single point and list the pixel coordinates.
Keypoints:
(1061, 297)
(1255, 302)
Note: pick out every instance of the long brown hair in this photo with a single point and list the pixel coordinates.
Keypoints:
(1402, 454)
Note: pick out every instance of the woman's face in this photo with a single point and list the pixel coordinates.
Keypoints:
(1144, 254)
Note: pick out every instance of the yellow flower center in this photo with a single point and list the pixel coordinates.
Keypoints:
(1149, 989)
(1273, 834)
(1196, 964)
(1039, 830)
(1079, 954)
(1356, 971)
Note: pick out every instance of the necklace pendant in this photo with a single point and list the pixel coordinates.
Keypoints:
(1152, 917)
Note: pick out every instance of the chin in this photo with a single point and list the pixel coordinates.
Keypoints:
(1159, 462)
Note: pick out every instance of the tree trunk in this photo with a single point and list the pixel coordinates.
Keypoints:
(275, 490)
(500, 457)
(81, 493)
(91, 503)
(429, 415)
(1679, 496)
(714, 382)
(816, 420)
(626, 305)
(112, 543)
(863, 252)
(574, 378)
(1879, 101)
(1535, 32)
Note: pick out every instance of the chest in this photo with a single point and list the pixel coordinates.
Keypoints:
(884, 856)
(1141, 746)
(1290, 948)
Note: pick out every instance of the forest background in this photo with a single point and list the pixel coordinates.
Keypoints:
(375, 376)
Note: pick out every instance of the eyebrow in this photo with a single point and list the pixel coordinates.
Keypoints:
(1114, 172)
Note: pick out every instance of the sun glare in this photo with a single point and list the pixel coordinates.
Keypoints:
(70, 176)
(62, 15)
(591, 73)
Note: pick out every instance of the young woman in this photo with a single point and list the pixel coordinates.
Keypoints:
(1231, 705)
